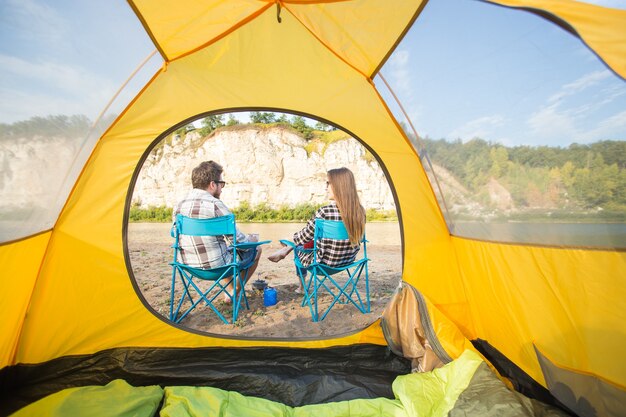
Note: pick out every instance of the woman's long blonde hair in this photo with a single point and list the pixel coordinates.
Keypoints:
(347, 200)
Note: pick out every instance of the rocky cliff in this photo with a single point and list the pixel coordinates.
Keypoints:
(272, 165)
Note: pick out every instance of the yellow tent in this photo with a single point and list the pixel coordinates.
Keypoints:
(66, 289)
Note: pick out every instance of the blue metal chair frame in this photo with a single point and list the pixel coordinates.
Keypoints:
(321, 276)
(221, 276)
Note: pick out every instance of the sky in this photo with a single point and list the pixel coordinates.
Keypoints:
(466, 69)
(503, 75)
(54, 58)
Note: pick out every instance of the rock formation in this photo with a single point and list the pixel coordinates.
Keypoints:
(262, 164)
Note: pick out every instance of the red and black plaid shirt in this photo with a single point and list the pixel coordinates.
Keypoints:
(330, 252)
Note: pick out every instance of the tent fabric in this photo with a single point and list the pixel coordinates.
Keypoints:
(21, 262)
(487, 396)
(586, 395)
(116, 399)
(351, 30)
(568, 299)
(70, 291)
(97, 205)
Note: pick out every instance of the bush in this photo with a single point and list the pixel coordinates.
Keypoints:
(151, 214)
(261, 213)
(381, 215)
(264, 213)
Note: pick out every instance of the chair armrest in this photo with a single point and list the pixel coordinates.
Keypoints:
(288, 243)
(296, 249)
(250, 245)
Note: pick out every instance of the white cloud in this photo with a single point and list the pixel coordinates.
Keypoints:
(549, 123)
(579, 85)
(561, 120)
(482, 127)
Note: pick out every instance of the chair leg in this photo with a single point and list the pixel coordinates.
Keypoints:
(172, 293)
(189, 284)
(315, 288)
(349, 290)
(306, 286)
(183, 280)
(203, 297)
(367, 288)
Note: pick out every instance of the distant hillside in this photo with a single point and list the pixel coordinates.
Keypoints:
(522, 178)
(281, 161)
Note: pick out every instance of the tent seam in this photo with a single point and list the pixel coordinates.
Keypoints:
(326, 45)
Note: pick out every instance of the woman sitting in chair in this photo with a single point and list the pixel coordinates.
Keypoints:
(344, 206)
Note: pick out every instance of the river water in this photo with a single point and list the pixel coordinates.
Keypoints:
(600, 235)
(383, 234)
(596, 235)
(376, 233)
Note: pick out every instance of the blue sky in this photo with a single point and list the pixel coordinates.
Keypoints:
(54, 59)
(466, 69)
(504, 75)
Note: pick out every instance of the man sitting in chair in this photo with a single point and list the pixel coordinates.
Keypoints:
(206, 252)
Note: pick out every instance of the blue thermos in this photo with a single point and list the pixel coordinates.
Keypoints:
(269, 297)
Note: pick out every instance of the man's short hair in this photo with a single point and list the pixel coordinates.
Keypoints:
(203, 174)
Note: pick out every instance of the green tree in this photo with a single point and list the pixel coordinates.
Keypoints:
(499, 161)
(298, 123)
(567, 174)
(262, 117)
(75, 126)
(232, 121)
(210, 123)
(322, 126)
(597, 183)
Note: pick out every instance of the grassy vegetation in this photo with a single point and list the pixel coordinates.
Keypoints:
(153, 214)
(261, 213)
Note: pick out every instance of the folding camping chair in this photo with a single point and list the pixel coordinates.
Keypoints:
(221, 276)
(324, 277)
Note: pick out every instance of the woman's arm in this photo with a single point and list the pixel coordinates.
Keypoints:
(307, 233)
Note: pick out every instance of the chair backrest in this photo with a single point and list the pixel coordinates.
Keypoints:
(223, 225)
(331, 229)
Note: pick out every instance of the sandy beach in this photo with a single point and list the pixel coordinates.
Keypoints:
(150, 253)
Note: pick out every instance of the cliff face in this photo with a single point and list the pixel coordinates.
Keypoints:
(270, 165)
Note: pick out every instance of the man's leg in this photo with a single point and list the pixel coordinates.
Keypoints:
(247, 273)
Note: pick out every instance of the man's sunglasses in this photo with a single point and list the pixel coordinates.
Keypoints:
(222, 183)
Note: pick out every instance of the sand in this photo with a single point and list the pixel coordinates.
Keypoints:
(150, 253)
